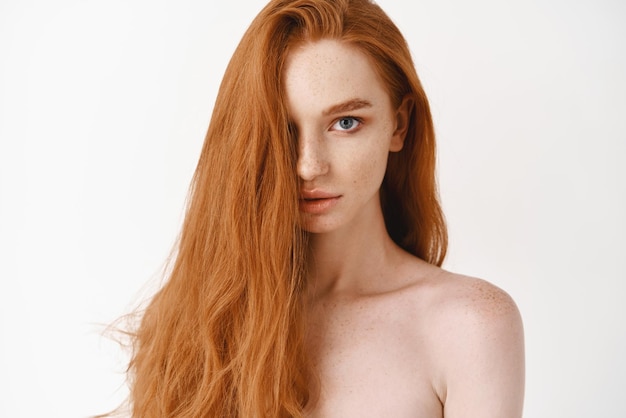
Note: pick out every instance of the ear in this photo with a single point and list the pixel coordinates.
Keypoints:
(403, 114)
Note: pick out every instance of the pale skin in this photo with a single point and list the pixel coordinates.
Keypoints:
(389, 334)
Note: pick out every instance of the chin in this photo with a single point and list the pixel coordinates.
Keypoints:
(315, 225)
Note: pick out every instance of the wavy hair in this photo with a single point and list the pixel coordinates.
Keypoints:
(224, 336)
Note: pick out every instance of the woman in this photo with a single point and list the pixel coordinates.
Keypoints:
(306, 281)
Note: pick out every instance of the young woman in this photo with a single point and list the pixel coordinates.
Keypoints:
(307, 279)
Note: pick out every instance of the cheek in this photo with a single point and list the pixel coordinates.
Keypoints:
(368, 168)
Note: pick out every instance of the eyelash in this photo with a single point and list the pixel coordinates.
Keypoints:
(358, 121)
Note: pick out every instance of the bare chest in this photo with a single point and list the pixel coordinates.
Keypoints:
(370, 363)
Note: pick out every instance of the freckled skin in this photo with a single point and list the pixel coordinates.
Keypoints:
(348, 163)
(389, 334)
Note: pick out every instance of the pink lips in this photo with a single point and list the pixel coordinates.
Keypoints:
(316, 202)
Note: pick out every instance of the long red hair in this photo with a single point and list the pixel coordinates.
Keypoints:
(224, 335)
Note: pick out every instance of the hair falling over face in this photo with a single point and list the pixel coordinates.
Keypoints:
(224, 336)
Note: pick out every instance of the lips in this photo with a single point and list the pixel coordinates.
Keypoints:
(317, 202)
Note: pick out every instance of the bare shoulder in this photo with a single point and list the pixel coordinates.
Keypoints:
(470, 339)
(458, 310)
(476, 300)
(449, 297)
(477, 346)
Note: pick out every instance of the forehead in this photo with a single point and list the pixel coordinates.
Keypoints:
(322, 73)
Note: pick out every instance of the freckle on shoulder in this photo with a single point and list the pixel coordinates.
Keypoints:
(475, 296)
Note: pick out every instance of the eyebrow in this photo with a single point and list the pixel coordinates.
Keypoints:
(347, 106)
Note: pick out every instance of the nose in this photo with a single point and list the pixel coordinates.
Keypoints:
(312, 157)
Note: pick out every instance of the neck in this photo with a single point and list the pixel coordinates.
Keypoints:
(351, 259)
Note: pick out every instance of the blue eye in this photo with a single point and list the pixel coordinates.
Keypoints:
(347, 124)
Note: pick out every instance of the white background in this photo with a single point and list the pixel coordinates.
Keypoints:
(103, 109)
